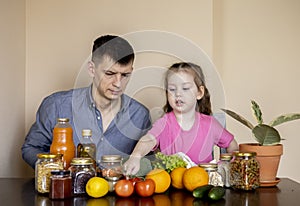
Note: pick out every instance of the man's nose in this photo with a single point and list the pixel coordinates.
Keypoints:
(117, 80)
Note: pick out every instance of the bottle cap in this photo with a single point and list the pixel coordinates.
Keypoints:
(48, 156)
(60, 172)
(63, 120)
(86, 132)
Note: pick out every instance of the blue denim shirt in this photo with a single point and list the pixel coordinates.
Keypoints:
(128, 126)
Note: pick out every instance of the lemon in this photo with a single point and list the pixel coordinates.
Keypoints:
(97, 187)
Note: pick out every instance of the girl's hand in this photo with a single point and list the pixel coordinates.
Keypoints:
(131, 166)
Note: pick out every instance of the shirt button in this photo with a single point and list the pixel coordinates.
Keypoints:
(101, 139)
(98, 117)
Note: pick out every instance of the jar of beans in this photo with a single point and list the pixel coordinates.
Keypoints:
(244, 171)
(82, 169)
(43, 167)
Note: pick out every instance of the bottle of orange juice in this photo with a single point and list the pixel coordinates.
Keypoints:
(62, 142)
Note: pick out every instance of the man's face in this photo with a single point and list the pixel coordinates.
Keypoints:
(110, 78)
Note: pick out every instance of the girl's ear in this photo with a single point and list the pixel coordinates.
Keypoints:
(200, 92)
(91, 68)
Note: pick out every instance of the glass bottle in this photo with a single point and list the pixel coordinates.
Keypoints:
(62, 142)
(60, 184)
(82, 170)
(43, 167)
(87, 148)
(223, 168)
(215, 178)
(244, 171)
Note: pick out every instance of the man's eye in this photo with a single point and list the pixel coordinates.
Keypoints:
(126, 75)
(185, 88)
(109, 73)
(171, 89)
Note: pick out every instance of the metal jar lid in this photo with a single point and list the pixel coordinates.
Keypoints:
(245, 154)
(209, 166)
(111, 158)
(60, 172)
(82, 161)
(226, 156)
(48, 156)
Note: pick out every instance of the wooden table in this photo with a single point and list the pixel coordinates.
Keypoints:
(18, 191)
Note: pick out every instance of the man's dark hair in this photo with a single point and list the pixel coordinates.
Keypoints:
(113, 47)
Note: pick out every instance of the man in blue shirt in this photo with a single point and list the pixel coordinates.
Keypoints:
(117, 121)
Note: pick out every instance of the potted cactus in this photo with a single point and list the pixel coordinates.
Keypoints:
(268, 147)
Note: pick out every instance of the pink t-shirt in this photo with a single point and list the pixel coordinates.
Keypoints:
(197, 142)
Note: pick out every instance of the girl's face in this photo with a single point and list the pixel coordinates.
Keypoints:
(183, 92)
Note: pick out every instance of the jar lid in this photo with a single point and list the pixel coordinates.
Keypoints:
(48, 156)
(225, 156)
(111, 158)
(60, 172)
(209, 166)
(86, 132)
(82, 161)
(63, 120)
(245, 154)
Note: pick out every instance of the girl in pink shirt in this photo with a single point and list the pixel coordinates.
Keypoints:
(187, 126)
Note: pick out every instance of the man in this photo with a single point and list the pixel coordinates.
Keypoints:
(116, 120)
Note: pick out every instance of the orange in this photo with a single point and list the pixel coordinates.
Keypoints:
(161, 178)
(195, 177)
(176, 177)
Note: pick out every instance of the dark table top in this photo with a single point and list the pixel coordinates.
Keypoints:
(20, 192)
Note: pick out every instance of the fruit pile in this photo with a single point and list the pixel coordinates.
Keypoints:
(194, 180)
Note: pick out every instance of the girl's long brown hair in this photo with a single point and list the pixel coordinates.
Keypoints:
(204, 104)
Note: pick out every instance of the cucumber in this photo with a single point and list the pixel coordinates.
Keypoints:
(202, 191)
(216, 193)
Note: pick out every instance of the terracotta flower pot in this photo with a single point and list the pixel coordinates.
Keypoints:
(268, 158)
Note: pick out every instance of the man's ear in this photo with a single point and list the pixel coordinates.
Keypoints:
(91, 68)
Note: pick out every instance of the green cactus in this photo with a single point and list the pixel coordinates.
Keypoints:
(264, 134)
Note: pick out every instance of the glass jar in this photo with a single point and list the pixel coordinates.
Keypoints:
(223, 168)
(244, 171)
(60, 184)
(214, 177)
(43, 167)
(82, 170)
(111, 167)
(62, 142)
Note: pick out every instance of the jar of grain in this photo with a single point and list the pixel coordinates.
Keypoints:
(215, 177)
(244, 171)
(43, 167)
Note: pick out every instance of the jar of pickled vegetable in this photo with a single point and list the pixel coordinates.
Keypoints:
(43, 167)
(244, 171)
(111, 167)
(82, 170)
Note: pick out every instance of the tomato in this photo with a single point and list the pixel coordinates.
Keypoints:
(145, 188)
(135, 180)
(124, 188)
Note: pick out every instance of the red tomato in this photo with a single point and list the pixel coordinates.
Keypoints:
(145, 188)
(124, 188)
(135, 180)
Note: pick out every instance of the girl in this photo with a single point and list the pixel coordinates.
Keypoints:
(187, 126)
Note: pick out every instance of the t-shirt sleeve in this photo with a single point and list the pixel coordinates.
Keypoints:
(158, 129)
(223, 136)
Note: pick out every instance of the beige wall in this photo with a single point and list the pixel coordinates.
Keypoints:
(251, 44)
(12, 84)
